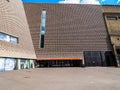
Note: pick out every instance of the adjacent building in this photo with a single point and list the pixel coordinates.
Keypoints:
(112, 20)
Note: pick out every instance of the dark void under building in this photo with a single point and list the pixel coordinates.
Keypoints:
(69, 35)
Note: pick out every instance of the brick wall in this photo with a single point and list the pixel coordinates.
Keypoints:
(70, 29)
(13, 22)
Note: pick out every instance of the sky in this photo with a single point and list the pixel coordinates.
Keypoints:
(97, 2)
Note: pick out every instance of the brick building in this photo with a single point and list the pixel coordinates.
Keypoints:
(16, 47)
(70, 34)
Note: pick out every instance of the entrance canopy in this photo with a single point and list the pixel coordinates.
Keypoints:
(59, 59)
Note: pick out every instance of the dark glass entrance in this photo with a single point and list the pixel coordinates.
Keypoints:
(59, 63)
(110, 59)
(92, 58)
(99, 58)
(118, 53)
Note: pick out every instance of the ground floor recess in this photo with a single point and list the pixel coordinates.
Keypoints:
(8, 64)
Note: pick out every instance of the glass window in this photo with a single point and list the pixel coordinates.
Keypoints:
(119, 18)
(2, 64)
(43, 22)
(3, 36)
(111, 18)
(42, 41)
(10, 64)
(13, 40)
(25, 64)
(7, 64)
(8, 38)
(42, 32)
(44, 14)
(42, 28)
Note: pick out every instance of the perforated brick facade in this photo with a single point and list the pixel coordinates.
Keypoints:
(70, 29)
(13, 22)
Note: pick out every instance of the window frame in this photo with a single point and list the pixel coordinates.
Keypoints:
(8, 38)
(42, 28)
(111, 17)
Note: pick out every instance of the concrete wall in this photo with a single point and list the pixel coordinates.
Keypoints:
(111, 9)
(13, 22)
(113, 26)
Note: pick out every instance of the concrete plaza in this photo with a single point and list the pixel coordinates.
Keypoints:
(92, 78)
